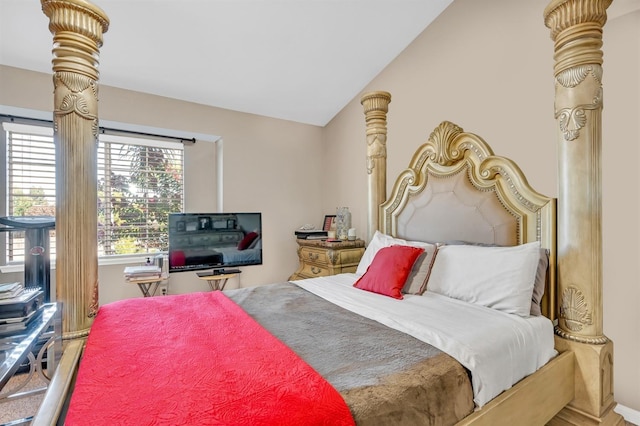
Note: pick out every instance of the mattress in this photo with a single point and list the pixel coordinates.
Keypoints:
(499, 349)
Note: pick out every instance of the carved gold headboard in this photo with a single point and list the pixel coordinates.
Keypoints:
(455, 188)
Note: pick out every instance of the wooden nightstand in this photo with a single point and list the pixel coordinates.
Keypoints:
(320, 258)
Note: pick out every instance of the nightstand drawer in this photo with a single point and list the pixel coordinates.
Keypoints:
(350, 257)
(314, 255)
(311, 271)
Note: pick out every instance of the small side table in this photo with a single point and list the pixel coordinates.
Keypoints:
(217, 282)
(19, 347)
(148, 286)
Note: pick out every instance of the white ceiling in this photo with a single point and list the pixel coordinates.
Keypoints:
(299, 60)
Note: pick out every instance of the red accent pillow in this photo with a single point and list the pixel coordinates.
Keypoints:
(247, 240)
(389, 270)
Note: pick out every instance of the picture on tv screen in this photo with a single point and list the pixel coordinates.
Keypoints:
(214, 240)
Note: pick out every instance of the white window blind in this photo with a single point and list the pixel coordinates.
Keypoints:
(140, 181)
(30, 165)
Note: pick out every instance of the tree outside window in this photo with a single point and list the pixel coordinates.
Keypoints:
(140, 181)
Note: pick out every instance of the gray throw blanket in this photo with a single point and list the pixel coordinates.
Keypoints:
(385, 376)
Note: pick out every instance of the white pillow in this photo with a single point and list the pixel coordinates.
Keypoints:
(497, 277)
(381, 240)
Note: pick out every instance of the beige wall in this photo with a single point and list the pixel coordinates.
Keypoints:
(620, 198)
(499, 84)
(270, 166)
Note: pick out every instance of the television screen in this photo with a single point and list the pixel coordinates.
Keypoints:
(214, 240)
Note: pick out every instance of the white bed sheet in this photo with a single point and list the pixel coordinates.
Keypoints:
(498, 348)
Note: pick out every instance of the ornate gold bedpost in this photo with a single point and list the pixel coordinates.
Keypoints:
(376, 106)
(576, 28)
(77, 27)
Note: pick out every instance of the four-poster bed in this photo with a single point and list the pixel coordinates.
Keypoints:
(454, 189)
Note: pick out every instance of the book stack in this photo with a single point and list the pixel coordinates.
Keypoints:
(10, 290)
(145, 272)
(16, 312)
(311, 234)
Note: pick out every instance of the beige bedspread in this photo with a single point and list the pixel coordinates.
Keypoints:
(385, 376)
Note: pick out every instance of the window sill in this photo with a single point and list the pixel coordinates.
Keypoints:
(7, 269)
(102, 261)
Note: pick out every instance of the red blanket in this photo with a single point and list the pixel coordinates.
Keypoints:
(195, 359)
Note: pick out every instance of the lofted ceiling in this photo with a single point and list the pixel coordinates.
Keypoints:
(298, 60)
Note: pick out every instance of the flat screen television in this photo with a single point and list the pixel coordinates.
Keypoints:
(214, 241)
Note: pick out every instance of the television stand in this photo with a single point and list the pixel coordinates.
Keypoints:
(218, 271)
(222, 271)
(217, 278)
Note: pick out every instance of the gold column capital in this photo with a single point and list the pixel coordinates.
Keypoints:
(93, 23)
(576, 29)
(376, 106)
(77, 27)
(376, 101)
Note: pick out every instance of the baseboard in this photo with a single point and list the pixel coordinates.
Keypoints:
(629, 414)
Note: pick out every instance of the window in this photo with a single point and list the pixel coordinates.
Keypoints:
(140, 180)
(139, 184)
